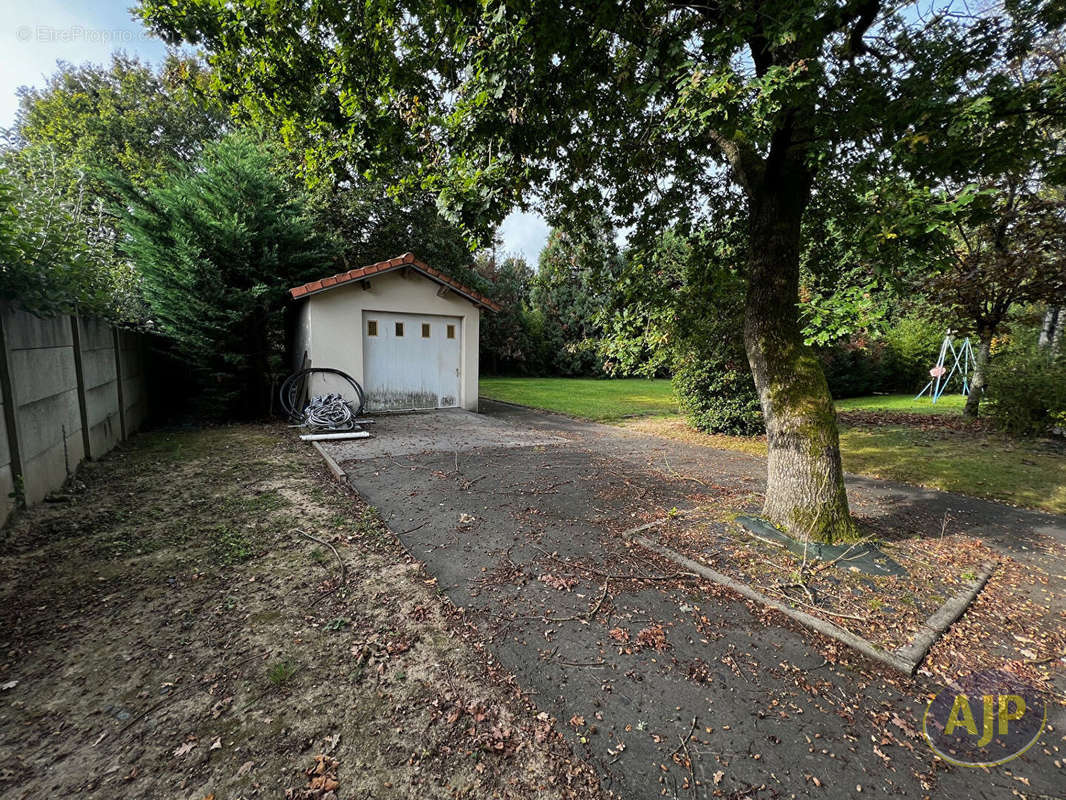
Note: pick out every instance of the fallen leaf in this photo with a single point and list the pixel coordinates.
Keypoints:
(562, 584)
(216, 745)
(185, 748)
(654, 637)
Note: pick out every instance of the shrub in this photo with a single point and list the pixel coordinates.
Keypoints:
(712, 378)
(854, 367)
(912, 344)
(717, 393)
(56, 255)
(1026, 391)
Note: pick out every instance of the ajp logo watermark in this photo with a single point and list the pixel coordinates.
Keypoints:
(987, 719)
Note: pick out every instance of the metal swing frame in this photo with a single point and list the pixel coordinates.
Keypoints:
(963, 362)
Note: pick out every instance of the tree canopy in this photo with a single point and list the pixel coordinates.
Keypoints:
(126, 117)
(88, 123)
(218, 245)
(620, 106)
(650, 113)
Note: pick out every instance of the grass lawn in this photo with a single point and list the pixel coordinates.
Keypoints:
(588, 398)
(610, 400)
(1031, 474)
(991, 465)
(904, 403)
(973, 462)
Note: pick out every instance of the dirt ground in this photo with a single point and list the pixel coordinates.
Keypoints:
(169, 631)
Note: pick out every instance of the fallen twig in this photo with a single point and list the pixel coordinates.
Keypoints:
(612, 575)
(679, 475)
(798, 585)
(819, 608)
(687, 764)
(684, 740)
(587, 615)
(600, 663)
(344, 567)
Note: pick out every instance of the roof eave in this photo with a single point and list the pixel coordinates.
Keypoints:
(420, 267)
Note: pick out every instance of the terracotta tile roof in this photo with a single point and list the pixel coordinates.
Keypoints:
(407, 260)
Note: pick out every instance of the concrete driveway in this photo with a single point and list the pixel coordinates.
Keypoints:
(670, 686)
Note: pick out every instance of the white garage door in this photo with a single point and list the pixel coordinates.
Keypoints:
(410, 361)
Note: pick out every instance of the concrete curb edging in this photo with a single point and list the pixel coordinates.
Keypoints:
(819, 625)
(905, 660)
(334, 467)
(944, 617)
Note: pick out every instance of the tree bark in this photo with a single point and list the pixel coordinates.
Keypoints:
(805, 481)
(977, 385)
(1052, 327)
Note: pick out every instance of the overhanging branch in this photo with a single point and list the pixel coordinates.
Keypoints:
(742, 158)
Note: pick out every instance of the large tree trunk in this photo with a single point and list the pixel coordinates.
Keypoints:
(980, 368)
(805, 481)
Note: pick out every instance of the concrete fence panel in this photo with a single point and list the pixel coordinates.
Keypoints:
(44, 386)
(100, 377)
(66, 385)
(134, 386)
(7, 475)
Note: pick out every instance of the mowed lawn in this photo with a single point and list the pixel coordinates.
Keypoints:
(904, 403)
(1028, 473)
(587, 398)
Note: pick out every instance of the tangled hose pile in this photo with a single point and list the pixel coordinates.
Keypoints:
(329, 412)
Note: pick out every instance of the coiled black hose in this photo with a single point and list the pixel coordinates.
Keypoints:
(292, 392)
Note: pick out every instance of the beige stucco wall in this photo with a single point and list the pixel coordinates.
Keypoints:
(302, 343)
(330, 327)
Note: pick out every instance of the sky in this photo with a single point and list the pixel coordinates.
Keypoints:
(35, 34)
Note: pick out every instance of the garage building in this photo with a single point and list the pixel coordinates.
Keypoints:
(405, 331)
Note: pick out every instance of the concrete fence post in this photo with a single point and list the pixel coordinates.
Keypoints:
(79, 373)
(116, 335)
(7, 394)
